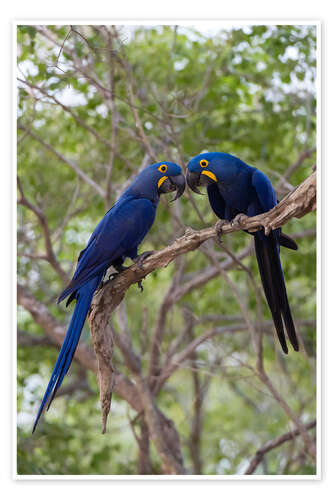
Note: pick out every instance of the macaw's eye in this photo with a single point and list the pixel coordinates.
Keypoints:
(203, 163)
(162, 168)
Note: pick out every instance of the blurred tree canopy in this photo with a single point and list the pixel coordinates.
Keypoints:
(95, 105)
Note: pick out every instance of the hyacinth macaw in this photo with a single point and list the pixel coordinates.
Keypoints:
(116, 237)
(233, 188)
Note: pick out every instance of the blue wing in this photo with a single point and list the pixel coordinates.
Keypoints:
(265, 192)
(117, 235)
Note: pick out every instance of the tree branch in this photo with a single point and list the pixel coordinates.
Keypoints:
(162, 431)
(305, 154)
(68, 109)
(72, 164)
(274, 443)
(159, 329)
(50, 255)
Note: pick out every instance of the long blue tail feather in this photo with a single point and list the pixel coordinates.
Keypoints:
(272, 278)
(83, 300)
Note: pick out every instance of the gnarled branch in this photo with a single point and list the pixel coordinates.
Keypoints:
(297, 203)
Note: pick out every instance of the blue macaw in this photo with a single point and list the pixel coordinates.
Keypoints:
(233, 188)
(116, 237)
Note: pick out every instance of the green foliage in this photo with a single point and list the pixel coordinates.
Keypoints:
(248, 91)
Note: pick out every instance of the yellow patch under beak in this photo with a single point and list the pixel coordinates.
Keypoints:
(209, 174)
(160, 182)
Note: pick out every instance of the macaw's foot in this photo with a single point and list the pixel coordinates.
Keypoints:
(239, 221)
(139, 261)
(219, 227)
(140, 258)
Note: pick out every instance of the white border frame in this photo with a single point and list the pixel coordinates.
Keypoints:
(319, 360)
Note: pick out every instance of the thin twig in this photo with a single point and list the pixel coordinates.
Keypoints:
(274, 443)
(50, 255)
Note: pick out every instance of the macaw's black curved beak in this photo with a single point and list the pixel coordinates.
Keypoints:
(173, 183)
(179, 182)
(193, 180)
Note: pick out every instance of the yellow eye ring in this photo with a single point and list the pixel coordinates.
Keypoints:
(203, 163)
(162, 168)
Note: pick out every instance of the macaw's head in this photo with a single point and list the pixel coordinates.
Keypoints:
(163, 177)
(208, 168)
(202, 170)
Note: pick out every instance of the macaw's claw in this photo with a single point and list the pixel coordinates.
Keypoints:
(139, 261)
(219, 227)
(239, 220)
(140, 258)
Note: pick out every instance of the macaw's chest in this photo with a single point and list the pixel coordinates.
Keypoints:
(237, 194)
